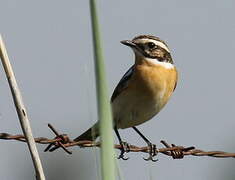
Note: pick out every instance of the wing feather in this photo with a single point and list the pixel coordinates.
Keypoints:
(123, 83)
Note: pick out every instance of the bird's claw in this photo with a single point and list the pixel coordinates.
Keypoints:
(150, 158)
(153, 151)
(125, 148)
(121, 156)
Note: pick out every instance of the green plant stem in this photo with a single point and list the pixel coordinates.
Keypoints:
(104, 109)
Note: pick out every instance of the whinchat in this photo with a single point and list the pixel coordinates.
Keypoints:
(143, 90)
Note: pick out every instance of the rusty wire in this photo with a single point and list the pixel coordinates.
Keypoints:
(63, 141)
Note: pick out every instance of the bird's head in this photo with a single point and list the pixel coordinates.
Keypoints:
(148, 46)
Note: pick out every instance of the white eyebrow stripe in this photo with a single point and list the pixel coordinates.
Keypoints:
(158, 43)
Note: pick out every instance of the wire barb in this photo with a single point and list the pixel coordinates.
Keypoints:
(63, 141)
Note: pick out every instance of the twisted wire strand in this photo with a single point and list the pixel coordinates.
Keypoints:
(63, 141)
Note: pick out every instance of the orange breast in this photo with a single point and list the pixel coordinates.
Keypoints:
(155, 81)
(148, 90)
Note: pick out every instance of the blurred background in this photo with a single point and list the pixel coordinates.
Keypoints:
(50, 47)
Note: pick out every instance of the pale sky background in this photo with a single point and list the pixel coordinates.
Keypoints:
(50, 47)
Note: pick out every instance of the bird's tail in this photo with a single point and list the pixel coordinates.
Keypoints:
(90, 135)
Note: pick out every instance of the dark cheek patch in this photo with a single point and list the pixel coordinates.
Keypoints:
(160, 54)
(157, 53)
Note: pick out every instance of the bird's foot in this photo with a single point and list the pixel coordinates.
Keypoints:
(153, 151)
(125, 148)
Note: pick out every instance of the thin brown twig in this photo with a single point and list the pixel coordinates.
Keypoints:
(21, 111)
(63, 141)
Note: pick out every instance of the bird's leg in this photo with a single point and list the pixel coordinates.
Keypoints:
(153, 151)
(125, 146)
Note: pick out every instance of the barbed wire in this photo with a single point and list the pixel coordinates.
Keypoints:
(63, 141)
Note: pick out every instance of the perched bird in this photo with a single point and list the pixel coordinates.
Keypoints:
(143, 90)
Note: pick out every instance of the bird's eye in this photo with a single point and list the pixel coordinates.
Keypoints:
(151, 45)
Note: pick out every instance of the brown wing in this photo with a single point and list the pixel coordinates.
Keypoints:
(175, 86)
(176, 80)
(122, 83)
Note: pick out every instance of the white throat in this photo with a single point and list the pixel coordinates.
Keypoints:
(166, 65)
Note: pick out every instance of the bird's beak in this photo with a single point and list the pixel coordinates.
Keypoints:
(128, 43)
